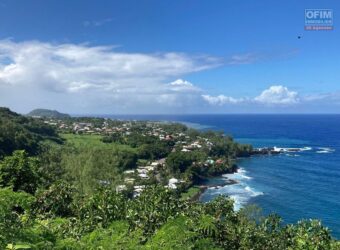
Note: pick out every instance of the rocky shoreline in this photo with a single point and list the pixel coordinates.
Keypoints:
(234, 169)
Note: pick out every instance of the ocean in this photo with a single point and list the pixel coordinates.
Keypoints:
(295, 185)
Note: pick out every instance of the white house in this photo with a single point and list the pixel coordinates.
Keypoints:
(120, 188)
(172, 183)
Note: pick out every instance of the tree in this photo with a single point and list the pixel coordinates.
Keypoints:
(156, 150)
(55, 201)
(18, 132)
(13, 205)
(19, 172)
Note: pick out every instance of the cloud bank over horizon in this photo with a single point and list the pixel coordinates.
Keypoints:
(80, 78)
(274, 95)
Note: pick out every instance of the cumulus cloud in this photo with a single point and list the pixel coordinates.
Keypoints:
(274, 95)
(183, 86)
(278, 95)
(80, 71)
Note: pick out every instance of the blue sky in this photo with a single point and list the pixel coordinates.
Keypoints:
(168, 57)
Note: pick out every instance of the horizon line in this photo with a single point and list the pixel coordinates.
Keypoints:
(181, 114)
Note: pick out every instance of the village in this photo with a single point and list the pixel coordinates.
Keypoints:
(181, 139)
(146, 172)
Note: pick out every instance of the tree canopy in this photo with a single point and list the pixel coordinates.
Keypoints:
(18, 132)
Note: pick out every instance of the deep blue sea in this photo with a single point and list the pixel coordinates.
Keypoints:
(297, 185)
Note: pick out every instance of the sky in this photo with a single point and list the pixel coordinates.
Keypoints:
(168, 57)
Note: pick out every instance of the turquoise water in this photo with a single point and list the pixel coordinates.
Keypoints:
(297, 185)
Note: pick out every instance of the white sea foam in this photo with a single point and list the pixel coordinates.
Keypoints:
(252, 191)
(239, 175)
(215, 187)
(325, 150)
(292, 155)
(240, 192)
(239, 201)
(241, 170)
(306, 148)
(289, 150)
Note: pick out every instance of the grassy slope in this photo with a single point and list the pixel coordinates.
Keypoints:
(92, 141)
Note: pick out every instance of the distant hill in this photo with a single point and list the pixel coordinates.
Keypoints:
(19, 132)
(47, 113)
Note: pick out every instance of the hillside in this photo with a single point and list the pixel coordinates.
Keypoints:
(48, 113)
(18, 132)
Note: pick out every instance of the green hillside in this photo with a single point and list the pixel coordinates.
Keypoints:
(18, 132)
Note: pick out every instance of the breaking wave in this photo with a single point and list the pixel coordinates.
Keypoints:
(239, 175)
(325, 150)
(241, 192)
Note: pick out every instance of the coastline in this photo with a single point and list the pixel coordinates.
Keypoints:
(263, 134)
(203, 188)
(232, 184)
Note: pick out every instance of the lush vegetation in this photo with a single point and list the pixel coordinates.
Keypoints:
(59, 193)
(22, 133)
(89, 163)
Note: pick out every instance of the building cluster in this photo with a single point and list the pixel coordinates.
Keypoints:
(137, 178)
(81, 127)
(107, 127)
(144, 173)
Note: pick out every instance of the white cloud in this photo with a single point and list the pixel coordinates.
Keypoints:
(221, 100)
(261, 56)
(82, 73)
(79, 78)
(274, 95)
(247, 58)
(183, 86)
(278, 95)
(332, 98)
(181, 82)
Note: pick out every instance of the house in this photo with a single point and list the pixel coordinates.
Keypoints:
(168, 137)
(219, 161)
(172, 183)
(142, 170)
(144, 176)
(137, 190)
(132, 171)
(154, 164)
(149, 168)
(120, 188)
(129, 180)
(161, 161)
